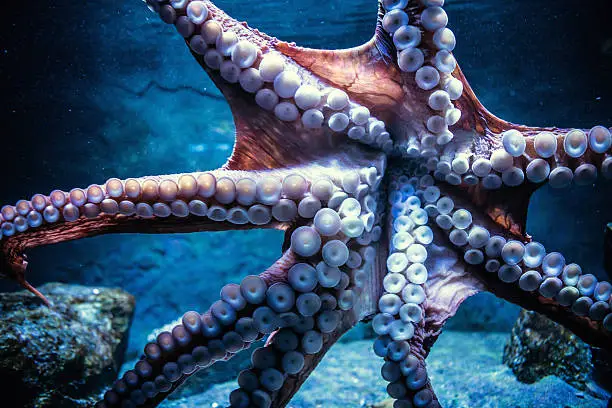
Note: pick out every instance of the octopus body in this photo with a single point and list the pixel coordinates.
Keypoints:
(400, 196)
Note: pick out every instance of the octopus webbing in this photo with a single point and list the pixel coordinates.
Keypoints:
(400, 196)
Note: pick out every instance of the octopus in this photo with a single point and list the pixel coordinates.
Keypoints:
(399, 194)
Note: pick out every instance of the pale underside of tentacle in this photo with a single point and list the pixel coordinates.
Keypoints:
(446, 246)
(324, 284)
(206, 201)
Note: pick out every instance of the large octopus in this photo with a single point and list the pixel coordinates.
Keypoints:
(400, 196)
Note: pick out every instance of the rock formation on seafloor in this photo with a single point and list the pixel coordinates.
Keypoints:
(538, 347)
(66, 354)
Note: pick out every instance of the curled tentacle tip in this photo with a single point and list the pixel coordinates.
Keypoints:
(15, 269)
(34, 291)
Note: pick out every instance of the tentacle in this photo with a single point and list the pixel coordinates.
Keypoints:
(221, 199)
(443, 249)
(279, 106)
(332, 287)
(513, 156)
(488, 153)
(176, 203)
(522, 271)
(242, 316)
(314, 293)
(292, 352)
(458, 140)
(405, 370)
(425, 284)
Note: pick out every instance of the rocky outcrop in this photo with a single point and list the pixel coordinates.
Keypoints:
(538, 347)
(65, 355)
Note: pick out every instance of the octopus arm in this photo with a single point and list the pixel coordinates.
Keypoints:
(523, 272)
(207, 201)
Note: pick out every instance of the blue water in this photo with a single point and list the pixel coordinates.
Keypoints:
(103, 89)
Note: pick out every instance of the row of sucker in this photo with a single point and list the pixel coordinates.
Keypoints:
(275, 82)
(400, 309)
(334, 257)
(432, 70)
(239, 318)
(526, 264)
(560, 163)
(256, 200)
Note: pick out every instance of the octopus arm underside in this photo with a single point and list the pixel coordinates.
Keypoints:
(400, 196)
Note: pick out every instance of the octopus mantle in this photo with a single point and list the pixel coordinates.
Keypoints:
(399, 193)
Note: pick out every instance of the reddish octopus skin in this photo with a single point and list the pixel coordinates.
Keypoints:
(265, 145)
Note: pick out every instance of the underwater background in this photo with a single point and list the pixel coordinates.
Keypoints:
(102, 88)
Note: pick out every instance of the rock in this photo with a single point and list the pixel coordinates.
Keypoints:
(538, 347)
(63, 356)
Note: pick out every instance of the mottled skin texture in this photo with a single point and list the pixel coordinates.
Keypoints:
(370, 76)
(567, 357)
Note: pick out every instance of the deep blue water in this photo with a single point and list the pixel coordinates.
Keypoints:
(99, 89)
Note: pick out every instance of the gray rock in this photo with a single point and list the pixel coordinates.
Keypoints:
(538, 347)
(62, 356)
